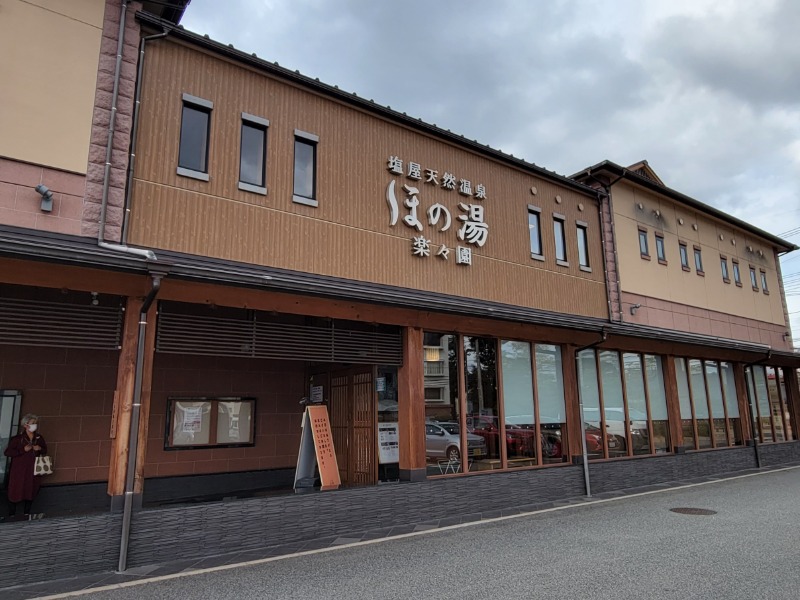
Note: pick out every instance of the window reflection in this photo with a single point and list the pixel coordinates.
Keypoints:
(520, 419)
(550, 395)
(658, 402)
(480, 370)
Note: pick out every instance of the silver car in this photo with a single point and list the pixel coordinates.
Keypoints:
(443, 440)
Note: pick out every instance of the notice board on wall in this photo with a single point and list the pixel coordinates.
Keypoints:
(316, 450)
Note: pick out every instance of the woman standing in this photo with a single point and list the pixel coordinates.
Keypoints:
(23, 449)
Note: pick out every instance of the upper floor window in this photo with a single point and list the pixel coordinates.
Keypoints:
(195, 128)
(660, 251)
(561, 242)
(583, 246)
(644, 249)
(753, 280)
(723, 265)
(305, 168)
(737, 275)
(684, 257)
(253, 151)
(764, 287)
(535, 231)
(698, 260)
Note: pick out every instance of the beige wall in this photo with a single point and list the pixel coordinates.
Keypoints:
(715, 238)
(48, 72)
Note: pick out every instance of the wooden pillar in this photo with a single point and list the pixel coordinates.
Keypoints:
(792, 388)
(123, 400)
(569, 368)
(147, 386)
(744, 406)
(673, 402)
(411, 406)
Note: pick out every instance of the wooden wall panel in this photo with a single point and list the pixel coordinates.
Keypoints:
(349, 233)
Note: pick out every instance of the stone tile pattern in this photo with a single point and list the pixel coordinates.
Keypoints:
(20, 203)
(779, 454)
(101, 119)
(72, 391)
(610, 257)
(671, 315)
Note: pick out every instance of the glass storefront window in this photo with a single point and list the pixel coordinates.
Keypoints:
(637, 403)
(717, 406)
(700, 403)
(550, 393)
(590, 398)
(731, 403)
(482, 410)
(762, 400)
(442, 408)
(613, 403)
(654, 372)
(685, 398)
(519, 415)
(776, 411)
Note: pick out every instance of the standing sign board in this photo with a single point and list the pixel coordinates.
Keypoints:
(316, 450)
(388, 443)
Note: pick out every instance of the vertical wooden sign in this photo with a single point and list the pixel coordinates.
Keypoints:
(316, 449)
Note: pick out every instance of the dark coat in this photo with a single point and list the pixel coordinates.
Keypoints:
(22, 485)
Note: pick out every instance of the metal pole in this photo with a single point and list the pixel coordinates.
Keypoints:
(583, 434)
(133, 440)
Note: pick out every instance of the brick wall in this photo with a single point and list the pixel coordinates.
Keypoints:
(72, 391)
(277, 386)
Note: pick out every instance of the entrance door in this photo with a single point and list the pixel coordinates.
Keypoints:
(9, 418)
(353, 409)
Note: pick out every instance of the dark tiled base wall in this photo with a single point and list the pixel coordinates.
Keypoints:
(189, 487)
(82, 545)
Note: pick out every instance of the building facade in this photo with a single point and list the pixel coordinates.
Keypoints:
(246, 237)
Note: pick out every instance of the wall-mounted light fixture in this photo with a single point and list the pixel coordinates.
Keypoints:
(47, 197)
(657, 213)
(634, 308)
(95, 301)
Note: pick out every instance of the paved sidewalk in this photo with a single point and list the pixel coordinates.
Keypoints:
(61, 586)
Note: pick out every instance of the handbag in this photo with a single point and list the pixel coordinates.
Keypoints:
(43, 465)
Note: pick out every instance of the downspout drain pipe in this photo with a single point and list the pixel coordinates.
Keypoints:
(148, 254)
(133, 441)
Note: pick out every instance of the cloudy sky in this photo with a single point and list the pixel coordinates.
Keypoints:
(708, 91)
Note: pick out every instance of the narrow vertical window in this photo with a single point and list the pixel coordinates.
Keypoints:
(644, 249)
(698, 260)
(305, 168)
(753, 280)
(764, 287)
(535, 231)
(195, 128)
(583, 246)
(252, 156)
(561, 242)
(684, 257)
(660, 251)
(723, 265)
(737, 275)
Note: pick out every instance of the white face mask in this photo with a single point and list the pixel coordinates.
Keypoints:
(32, 427)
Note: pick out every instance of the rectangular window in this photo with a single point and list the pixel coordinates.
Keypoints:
(305, 168)
(684, 257)
(195, 128)
(723, 265)
(644, 249)
(660, 251)
(253, 152)
(210, 422)
(737, 275)
(561, 242)
(583, 246)
(698, 260)
(764, 287)
(753, 280)
(535, 232)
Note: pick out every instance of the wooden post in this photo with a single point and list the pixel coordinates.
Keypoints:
(411, 407)
(572, 408)
(673, 402)
(792, 388)
(744, 406)
(123, 401)
(147, 386)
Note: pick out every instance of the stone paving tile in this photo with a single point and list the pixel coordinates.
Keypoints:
(345, 540)
(424, 527)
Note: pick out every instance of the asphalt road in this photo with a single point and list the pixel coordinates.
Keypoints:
(632, 547)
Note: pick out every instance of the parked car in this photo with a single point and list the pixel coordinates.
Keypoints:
(443, 440)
